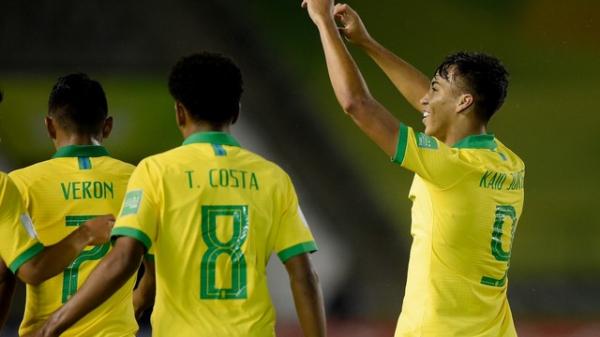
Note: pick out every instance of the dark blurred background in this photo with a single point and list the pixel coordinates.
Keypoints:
(354, 198)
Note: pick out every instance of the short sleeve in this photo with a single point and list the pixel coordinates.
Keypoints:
(18, 244)
(294, 236)
(139, 215)
(428, 157)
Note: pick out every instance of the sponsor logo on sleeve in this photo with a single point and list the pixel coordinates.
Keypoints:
(426, 142)
(132, 202)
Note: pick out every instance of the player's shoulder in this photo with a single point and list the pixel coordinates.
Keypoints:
(32, 172)
(161, 160)
(158, 163)
(264, 165)
(117, 166)
(509, 157)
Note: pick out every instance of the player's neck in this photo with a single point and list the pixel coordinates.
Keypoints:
(74, 139)
(454, 135)
(189, 130)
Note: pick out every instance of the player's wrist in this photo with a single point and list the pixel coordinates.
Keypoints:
(367, 43)
(323, 20)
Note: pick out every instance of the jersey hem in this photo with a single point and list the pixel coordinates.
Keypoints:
(402, 143)
(132, 233)
(301, 248)
(27, 255)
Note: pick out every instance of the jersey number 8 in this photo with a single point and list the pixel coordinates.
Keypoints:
(232, 248)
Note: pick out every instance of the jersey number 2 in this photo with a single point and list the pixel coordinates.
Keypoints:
(71, 273)
(232, 248)
(502, 212)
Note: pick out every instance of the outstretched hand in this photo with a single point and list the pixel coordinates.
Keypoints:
(352, 27)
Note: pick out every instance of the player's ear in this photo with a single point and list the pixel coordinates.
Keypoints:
(180, 114)
(107, 127)
(464, 102)
(50, 127)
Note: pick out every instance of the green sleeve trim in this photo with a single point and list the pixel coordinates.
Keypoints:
(301, 248)
(26, 256)
(149, 257)
(132, 233)
(402, 143)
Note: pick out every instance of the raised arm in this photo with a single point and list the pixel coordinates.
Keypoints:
(54, 259)
(110, 275)
(308, 297)
(348, 84)
(411, 82)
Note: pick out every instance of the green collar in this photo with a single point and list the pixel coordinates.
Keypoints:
(212, 137)
(485, 141)
(81, 151)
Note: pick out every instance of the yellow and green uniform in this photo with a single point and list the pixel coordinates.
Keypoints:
(213, 213)
(467, 200)
(17, 244)
(78, 183)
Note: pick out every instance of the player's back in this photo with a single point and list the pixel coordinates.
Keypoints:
(214, 214)
(78, 183)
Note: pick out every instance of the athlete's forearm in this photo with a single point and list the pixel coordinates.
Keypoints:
(54, 259)
(347, 81)
(143, 295)
(308, 297)
(352, 92)
(409, 81)
(110, 275)
(7, 287)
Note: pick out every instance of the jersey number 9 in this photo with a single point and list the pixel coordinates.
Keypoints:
(502, 212)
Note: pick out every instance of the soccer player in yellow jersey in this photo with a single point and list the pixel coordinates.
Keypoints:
(214, 213)
(21, 254)
(467, 192)
(79, 182)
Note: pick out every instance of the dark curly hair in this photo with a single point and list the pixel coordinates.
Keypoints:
(483, 75)
(78, 103)
(209, 85)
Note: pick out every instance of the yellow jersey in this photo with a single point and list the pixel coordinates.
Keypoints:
(17, 244)
(213, 213)
(78, 183)
(467, 200)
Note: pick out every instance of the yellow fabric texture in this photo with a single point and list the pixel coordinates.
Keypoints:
(213, 213)
(466, 203)
(60, 194)
(17, 245)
